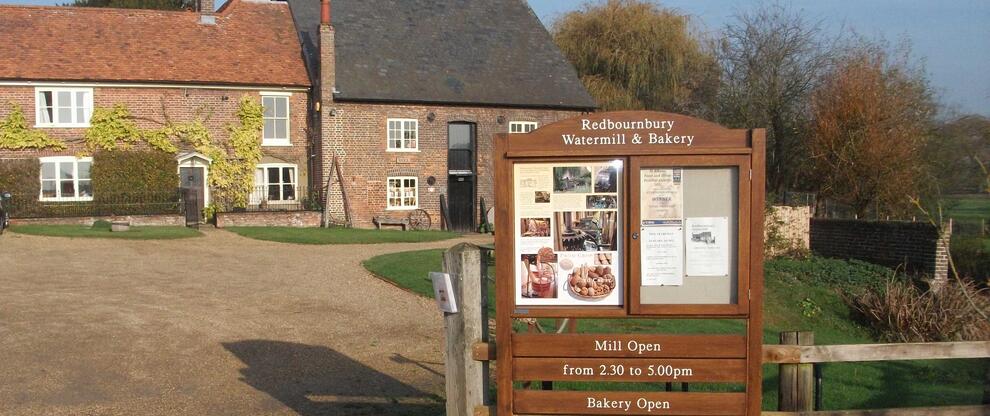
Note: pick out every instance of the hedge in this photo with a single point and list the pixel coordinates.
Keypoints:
(135, 182)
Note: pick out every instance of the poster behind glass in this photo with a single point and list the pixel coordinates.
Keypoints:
(568, 228)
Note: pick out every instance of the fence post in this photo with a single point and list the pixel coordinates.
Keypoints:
(796, 392)
(467, 379)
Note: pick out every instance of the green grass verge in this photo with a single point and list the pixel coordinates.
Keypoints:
(968, 206)
(339, 235)
(800, 295)
(81, 231)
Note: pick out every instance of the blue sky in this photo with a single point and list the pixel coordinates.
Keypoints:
(952, 36)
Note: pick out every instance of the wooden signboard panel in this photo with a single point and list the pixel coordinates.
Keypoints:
(629, 215)
(629, 370)
(628, 346)
(531, 402)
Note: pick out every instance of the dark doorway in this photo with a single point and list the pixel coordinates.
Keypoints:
(193, 184)
(462, 175)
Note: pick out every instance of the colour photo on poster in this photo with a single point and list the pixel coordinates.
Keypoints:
(572, 179)
(586, 231)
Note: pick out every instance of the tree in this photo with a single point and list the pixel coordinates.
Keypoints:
(137, 4)
(634, 55)
(956, 153)
(872, 116)
(771, 59)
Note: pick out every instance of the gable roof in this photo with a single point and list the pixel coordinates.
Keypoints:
(252, 43)
(490, 52)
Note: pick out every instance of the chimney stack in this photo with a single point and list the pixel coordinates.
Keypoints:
(325, 13)
(206, 16)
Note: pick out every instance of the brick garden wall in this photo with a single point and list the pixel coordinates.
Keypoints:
(792, 223)
(914, 245)
(358, 134)
(269, 219)
(135, 220)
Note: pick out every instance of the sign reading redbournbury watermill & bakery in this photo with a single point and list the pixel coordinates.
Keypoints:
(630, 216)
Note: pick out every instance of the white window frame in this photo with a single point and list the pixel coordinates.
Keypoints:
(86, 105)
(402, 197)
(522, 126)
(58, 181)
(273, 142)
(402, 123)
(265, 184)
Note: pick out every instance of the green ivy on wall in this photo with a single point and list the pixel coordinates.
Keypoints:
(232, 172)
(15, 134)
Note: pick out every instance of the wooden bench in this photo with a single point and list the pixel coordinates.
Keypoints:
(380, 221)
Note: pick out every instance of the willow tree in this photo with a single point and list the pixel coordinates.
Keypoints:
(635, 55)
(873, 114)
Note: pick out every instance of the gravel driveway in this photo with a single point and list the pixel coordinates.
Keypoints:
(218, 325)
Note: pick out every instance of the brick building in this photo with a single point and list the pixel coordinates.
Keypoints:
(411, 93)
(407, 95)
(59, 63)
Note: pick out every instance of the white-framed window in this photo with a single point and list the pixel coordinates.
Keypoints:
(403, 135)
(522, 126)
(403, 192)
(275, 182)
(63, 107)
(276, 115)
(66, 178)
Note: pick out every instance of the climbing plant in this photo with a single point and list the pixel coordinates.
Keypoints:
(15, 134)
(113, 128)
(232, 172)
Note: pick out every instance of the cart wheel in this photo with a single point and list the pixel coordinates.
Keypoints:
(420, 220)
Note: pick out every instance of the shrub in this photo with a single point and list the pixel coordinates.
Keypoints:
(134, 182)
(972, 259)
(20, 178)
(900, 311)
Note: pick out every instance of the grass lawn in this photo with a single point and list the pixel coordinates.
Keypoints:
(82, 231)
(339, 235)
(968, 206)
(800, 295)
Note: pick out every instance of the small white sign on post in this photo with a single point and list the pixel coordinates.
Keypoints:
(443, 292)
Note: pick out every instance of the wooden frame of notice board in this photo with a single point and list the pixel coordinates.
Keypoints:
(568, 246)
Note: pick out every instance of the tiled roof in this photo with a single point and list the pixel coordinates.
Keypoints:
(252, 43)
(492, 52)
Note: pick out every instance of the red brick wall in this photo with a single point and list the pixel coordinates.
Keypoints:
(358, 133)
(269, 219)
(217, 107)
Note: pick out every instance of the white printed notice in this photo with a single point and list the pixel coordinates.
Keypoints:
(707, 245)
(662, 196)
(662, 256)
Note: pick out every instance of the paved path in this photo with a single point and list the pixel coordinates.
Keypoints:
(218, 325)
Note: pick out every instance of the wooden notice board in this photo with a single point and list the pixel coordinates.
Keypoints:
(630, 215)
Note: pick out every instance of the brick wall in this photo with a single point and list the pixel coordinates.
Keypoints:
(269, 219)
(358, 134)
(149, 106)
(135, 220)
(916, 246)
(793, 225)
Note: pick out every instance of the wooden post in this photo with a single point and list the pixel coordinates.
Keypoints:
(467, 379)
(797, 381)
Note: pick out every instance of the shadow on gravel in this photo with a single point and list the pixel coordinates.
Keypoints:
(316, 381)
